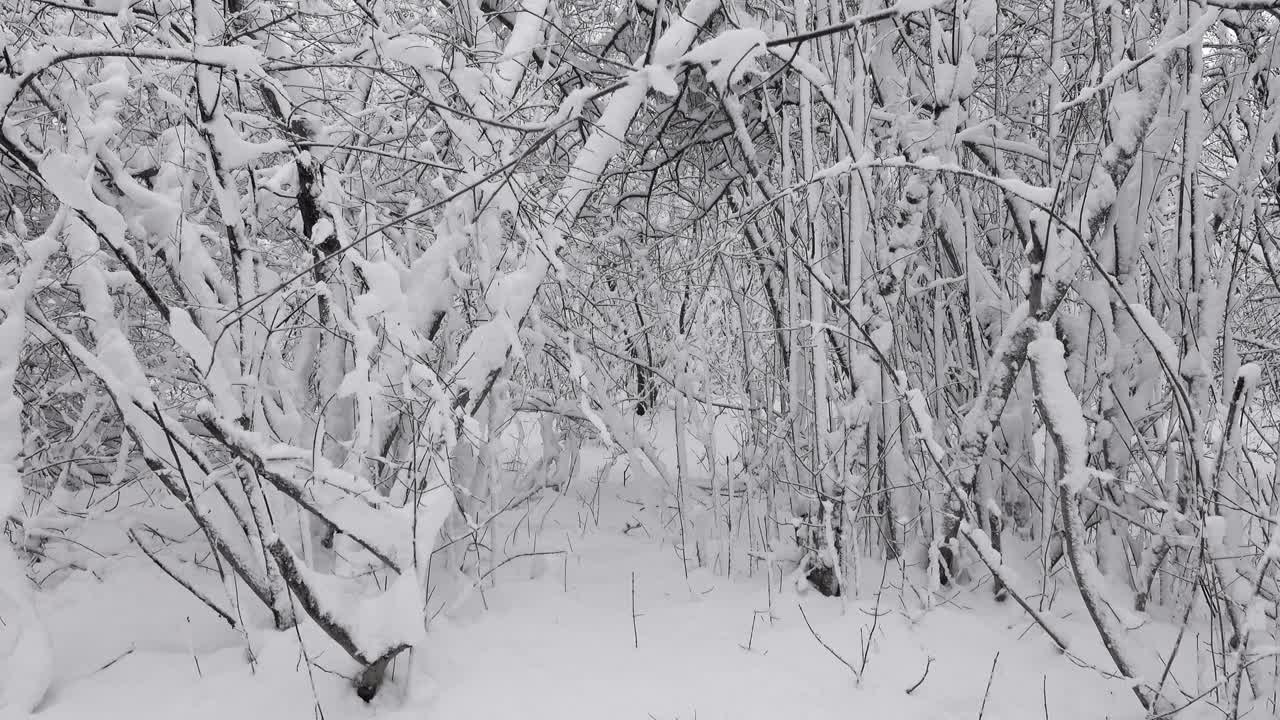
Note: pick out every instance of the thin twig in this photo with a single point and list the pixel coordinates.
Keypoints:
(117, 658)
(208, 601)
(1044, 694)
(635, 633)
(927, 664)
(493, 569)
(991, 676)
(751, 636)
(823, 643)
(875, 620)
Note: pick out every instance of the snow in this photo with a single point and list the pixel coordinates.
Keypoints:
(1156, 335)
(903, 7)
(977, 422)
(1164, 48)
(487, 348)
(571, 106)
(1194, 364)
(26, 655)
(67, 177)
(1042, 196)
(114, 82)
(1061, 408)
(243, 59)
(982, 544)
(551, 637)
(413, 50)
(321, 231)
(661, 79)
(920, 411)
(234, 150)
(682, 30)
(1215, 531)
(730, 55)
(944, 82)
(192, 340)
(484, 351)
(528, 32)
(1249, 374)
(965, 76)
(600, 147)
(26, 665)
(431, 442)
(982, 15)
(436, 505)
(345, 500)
(378, 622)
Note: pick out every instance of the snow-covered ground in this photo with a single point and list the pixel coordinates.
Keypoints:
(552, 636)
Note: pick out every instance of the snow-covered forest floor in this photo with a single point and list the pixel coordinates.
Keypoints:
(551, 636)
